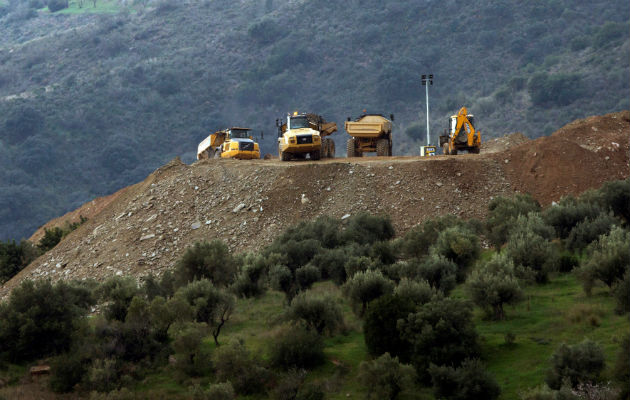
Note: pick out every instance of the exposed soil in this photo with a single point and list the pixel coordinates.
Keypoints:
(146, 227)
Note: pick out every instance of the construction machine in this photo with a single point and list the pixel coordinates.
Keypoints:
(305, 134)
(229, 143)
(369, 133)
(461, 134)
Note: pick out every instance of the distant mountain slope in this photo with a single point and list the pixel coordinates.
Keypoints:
(92, 103)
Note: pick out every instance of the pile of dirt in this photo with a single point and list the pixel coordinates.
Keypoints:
(145, 228)
(503, 143)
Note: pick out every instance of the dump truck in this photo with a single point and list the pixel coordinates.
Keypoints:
(229, 143)
(305, 134)
(461, 134)
(369, 133)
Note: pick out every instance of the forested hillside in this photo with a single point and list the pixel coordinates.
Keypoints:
(93, 99)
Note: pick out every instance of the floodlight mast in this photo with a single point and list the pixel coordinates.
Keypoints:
(426, 81)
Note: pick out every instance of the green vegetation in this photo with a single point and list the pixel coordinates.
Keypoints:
(92, 93)
(382, 329)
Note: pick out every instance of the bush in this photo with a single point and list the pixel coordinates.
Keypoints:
(416, 292)
(220, 391)
(590, 230)
(67, 371)
(250, 281)
(209, 260)
(51, 238)
(608, 34)
(532, 255)
(460, 246)
(494, 284)
(616, 197)
(440, 331)
(297, 347)
(191, 358)
(358, 264)
(209, 304)
(380, 326)
(295, 254)
(469, 382)
(14, 257)
(418, 240)
(438, 271)
(281, 279)
(331, 263)
(265, 32)
(289, 386)
(117, 293)
(580, 363)
(319, 313)
(41, 319)
(554, 89)
(621, 372)
(609, 260)
(503, 211)
(306, 276)
(153, 288)
(325, 230)
(366, 286)
(56, 5)
(234, 363)
(364, 228)
(532, 222)
(568, 213)
(386, 378)
(622, 294)
(567, 261)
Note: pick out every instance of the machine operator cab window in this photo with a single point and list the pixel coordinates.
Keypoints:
(298, 122)
(239, 133)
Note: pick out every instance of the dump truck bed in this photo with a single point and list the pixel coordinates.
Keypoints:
(369, 126)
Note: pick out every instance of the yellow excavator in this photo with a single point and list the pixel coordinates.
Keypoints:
(461, 134)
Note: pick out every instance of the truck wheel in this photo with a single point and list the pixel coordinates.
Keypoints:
(382, 147)
(325, 148)
(283, 155)
(445, 149)
(475, 150)
(350, 149)
(315, 155)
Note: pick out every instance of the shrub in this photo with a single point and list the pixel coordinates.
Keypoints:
(153, 288)
(532, 222)
(297, 347)
(608, 34)
(40, 319)
(319, 313)
(503, 211)
(191, 358)
(281, 279)
(56, 5)
(386, 378)
(440, 331)
(366, 286)
(364, 228)
(235, 364)
(554, 89)
(103, 375)
(117, 293)
(608, 261)
(590, 230)
(357, 264)
(416, 292)
(418, 240)
(458, 245)
(220, 391)
(51, 238)
(296, 253)
(494, 284)
(567, 261)
(568, 213)
(289, 386)
(250, 281)
(380, 326)
(14, 257)
(438, 271)
(471, 381)
(67, 371)
(306, 276)
(209, 260)
(209, 304)
(622, 294)
(580, 363)
(325, 230)
(621, 372)
(265, 32)
(616, 196)
(532, 254)
(331, 263)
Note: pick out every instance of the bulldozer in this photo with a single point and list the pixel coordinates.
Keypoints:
(229, 143)
(461, 134)
(369, 133)
(305, 134)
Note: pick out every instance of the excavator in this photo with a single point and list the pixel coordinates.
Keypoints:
(461, 134)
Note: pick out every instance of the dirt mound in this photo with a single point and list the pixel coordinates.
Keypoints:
(146, 227)
(503, 143)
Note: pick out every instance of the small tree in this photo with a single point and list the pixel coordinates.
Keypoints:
(568, 213)
(51, 238)
(590, 230)
(386, 378)
(418, 240)
(503, 212)
(471, 381)
(437, 270)
(380, 326)
(306, 276)
(580, 363)
(117, 293)
(366, 286)
(235, 364)
(297, 347)
(364, 228)
(609, 260)
(209, 260)
(319, 313)
(532, 254)
(210, 304)
(494, 284)
(460, 246)
(191, 358)
(440, 331)
(416, 292)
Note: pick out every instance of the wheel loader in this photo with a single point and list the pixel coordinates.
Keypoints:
(369, 133)
(461, 134)
(305, 134)
(229, 143)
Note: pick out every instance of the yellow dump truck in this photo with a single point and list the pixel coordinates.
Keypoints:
(305, 134)
(229, 143)
(461, 134)
(369, 133)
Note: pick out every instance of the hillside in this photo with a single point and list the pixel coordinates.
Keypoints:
(146, 227)
(91, 102)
